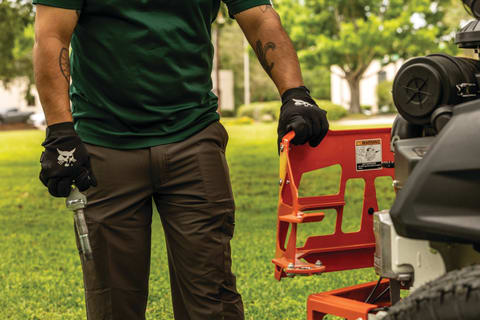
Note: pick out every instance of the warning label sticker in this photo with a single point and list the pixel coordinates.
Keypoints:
(368, 154)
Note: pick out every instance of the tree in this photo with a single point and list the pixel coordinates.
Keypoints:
(23, 55)
(16, 42)
(351, 34)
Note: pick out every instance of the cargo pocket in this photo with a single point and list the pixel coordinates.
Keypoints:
(223, 133)
(228, 227)
(215, 174)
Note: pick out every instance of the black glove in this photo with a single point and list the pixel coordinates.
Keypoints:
(65, 161)
(301, 114)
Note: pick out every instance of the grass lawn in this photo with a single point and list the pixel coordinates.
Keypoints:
(40, 274)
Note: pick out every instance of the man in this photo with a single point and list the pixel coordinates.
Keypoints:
(146, 127)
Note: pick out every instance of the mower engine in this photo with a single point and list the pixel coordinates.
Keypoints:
(435, 221)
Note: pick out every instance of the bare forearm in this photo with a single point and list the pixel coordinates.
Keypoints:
(262, 27)
(52, 76)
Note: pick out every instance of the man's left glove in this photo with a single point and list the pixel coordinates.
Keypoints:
(65, 161)
(301, 114)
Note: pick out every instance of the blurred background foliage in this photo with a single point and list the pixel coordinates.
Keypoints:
(16, 43)
(385, 98)
(349, 34)
(352, 34)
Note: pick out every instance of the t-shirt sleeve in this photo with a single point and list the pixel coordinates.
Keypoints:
(64, 4)
(236, 6)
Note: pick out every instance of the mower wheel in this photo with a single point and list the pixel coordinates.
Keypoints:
(454, 296)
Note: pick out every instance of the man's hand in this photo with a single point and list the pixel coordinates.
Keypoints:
(301, 114)
(65, 161)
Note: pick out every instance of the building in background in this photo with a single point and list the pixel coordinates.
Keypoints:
(375, 74)
(226, 97)
(14, 96)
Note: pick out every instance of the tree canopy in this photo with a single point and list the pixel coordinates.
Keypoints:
(352, 34)
(16, 42)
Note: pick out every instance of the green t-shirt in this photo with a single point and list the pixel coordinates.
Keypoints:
(141, 69)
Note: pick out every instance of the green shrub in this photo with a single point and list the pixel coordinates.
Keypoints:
(258, 110)
(334, 111)
(366, 108)
(385, 98)
(271, 108)
(246, 111)
(228, 113)
(240, 121)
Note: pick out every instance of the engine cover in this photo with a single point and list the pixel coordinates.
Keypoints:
(440, 201)
(408, 153)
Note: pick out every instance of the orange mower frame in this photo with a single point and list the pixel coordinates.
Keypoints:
(338, 251)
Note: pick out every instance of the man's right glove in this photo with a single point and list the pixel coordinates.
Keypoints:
(301, 114)
(65, 161)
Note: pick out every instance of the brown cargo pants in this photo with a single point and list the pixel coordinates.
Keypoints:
(189, 182)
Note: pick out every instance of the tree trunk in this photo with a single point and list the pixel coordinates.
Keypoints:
(354, 84)
(246, 73)
(217, 66)
(29, 97)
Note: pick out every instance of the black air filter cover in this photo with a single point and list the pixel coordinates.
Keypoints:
(423, 84)
(473, 6)
(469, 36)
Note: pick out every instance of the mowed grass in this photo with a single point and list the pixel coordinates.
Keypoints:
(40, 273)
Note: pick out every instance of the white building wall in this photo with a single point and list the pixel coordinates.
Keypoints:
(340, 91)
(226, 89)
(14, 96)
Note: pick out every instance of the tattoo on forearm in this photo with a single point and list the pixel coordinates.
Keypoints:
(64, 62)
(265, 8)
(261, 51)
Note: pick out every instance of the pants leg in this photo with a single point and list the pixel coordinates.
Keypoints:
(118, 215)
(197, 211)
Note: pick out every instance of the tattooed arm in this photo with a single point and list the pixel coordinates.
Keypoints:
(263, 29)
(53, 31)
(299, 112)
